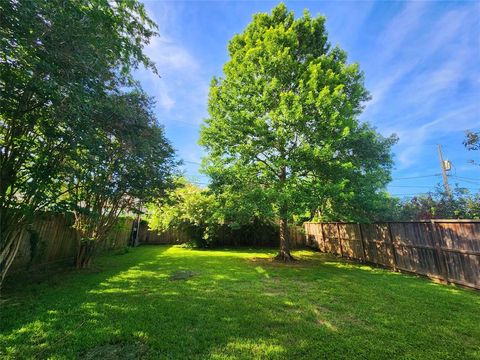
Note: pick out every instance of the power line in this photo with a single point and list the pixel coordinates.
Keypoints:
(432, 193)
(411, 186)
(196, 175)
(468, 181)
(410, 194)
(416, 177)
(199, 183)
(465, 178)
(426, 187)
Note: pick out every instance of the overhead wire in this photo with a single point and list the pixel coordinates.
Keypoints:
(416, 177)
(461, 178)
(465, 178)
(411, 186)
(468, 181)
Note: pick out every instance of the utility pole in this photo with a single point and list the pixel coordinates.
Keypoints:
(444, 172)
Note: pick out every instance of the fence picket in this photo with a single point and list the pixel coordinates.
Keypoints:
(394, 253)
(444, 249)
(339, 240)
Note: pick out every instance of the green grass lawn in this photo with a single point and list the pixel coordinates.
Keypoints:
(164, 302)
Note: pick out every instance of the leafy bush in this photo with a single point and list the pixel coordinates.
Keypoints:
(189, 209)
(210, 220)
(438, 205)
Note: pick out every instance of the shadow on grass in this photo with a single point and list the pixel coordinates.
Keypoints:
(237, 304)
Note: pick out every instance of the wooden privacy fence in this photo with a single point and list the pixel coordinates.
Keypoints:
(297, 237)
(448, 250)
(240, 237)
(52, 240)
(170, 236)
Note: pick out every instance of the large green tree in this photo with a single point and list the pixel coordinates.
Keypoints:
(56, 58)
(283, 124)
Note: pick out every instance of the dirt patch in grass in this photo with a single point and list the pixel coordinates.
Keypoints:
(182, 275)
(115, 351)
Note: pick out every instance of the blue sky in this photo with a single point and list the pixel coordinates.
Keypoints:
(421, 62)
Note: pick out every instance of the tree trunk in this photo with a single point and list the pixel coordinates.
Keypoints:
(8, 250)
(284, 252)
(85, 254)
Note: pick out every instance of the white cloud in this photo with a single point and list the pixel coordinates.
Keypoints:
(425, 69)
(401, 40)
(175, 63)
(165, 100)
(400, 28)
(412, 140)
(169, 55)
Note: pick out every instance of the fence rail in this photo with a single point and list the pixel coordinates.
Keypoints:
(444, 249)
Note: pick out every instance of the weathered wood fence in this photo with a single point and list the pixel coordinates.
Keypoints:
(448, 250)
(298, 239)
(52, 240)
(170, 236)
(240, 237)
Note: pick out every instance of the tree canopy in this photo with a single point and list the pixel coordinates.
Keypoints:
(63, 68)
(283, 124)
(187, 208)
(122, 163)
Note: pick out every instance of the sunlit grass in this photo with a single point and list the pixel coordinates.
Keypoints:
(176, 303)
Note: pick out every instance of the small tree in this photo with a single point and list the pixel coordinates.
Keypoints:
(438, 204)
(472, 142)
(56, 58)
(123, 161)
(189, 209)
(283, 123)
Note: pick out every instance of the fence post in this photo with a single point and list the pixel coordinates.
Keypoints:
(308, 236)
(364, 242)
(394, 251)
(361, 242)
(442, 261)
(339, 240)
(323, 238)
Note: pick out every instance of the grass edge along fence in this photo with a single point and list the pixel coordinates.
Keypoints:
(52, 241)
(448, 250)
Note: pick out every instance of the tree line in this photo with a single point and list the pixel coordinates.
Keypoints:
(77, 132)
